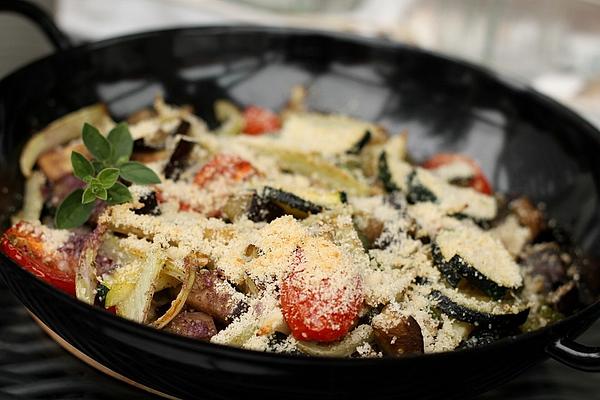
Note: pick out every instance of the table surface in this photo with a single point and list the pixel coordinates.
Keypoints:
(32, 366)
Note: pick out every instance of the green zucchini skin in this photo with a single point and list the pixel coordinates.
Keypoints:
(456, 268)
(418, 193)
(362, 142)
(479, 318)
(384, 174)
(485, 224)
(273, 203)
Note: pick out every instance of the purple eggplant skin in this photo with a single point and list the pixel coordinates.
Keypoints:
(215, 296)
(195, 325)
(403, 337)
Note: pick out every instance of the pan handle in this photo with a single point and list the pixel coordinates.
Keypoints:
(575, 355)
(40, 18)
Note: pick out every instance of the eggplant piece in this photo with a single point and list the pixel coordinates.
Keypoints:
(362, 142)
(215, 296)
(263, 210)
(195, 325)
(588, 279)
(455, 269)
(368, 228)
(179, 159)
(150, 205)
(528, 214)
(397, 335)
(490, 314)
(566, 299)
(546, 260)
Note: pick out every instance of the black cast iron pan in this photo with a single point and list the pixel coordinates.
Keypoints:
(526, 143)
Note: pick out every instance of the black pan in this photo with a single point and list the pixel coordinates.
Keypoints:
(526, 143)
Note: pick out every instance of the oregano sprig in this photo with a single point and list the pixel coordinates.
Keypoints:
(101, 174)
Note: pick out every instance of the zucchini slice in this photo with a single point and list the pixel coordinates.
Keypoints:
(456, 268)
(393, 172)
(471, 253)
(316, 167)
(485, 313)
(424, 186)
(290, 203)
(362, 142)
(417, 192)
(273, 203)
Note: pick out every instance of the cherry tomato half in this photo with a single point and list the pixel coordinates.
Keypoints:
(478, 182)
(323, 312)
(230, 167)
(27, 251)
(259, 120)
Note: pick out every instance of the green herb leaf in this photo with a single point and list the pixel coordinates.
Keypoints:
(88, 195)
(82, 168)
(136, 172)
(99, 192)
(71, 213)
(122, 143)
(97, 144)
(119, 194)
(98, 166)
(107, 177)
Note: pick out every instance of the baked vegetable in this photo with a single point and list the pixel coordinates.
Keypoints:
(473, 254)
(481, 312)
(179, 159)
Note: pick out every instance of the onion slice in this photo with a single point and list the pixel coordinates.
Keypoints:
(33, 201)
(86, 279)
(178, 303)
(343, 348)
(62, 131)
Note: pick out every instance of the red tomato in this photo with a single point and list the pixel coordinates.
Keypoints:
(479, 182)
(232, 168)
(259, 120)
(323, 312)
(27, 250)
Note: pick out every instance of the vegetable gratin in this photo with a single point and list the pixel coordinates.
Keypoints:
(295, 232)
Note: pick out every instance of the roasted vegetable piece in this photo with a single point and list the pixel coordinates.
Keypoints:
(343, 348)
(316, 306)
(179, 159)
(195, 325)
(369, 228)
(178, 303)
(473, 254)
(27, 249)
(290, 203)
(477, 180)
(216, 297)
(417, 192)
(397, 334)
(149, 205)
(547, 261)
(259, 120)
(480, 312)
(231, 168)
(362, 142)
(529, 215)
(62, 131)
